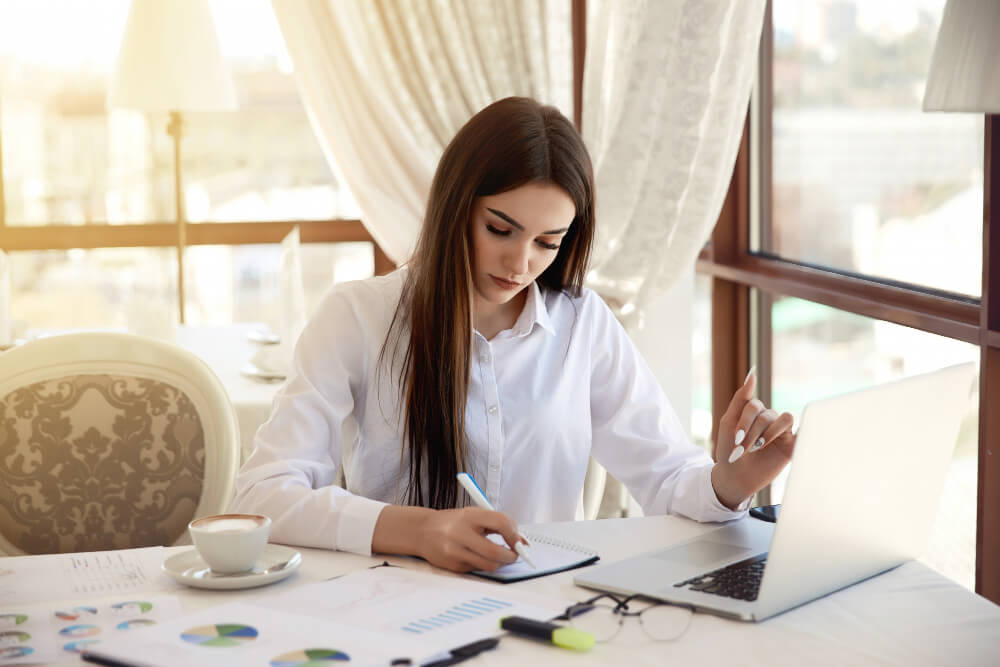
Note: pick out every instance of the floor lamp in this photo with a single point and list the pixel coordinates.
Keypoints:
(964, 76)
(169, 61)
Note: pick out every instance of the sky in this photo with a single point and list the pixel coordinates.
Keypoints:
(875, 17)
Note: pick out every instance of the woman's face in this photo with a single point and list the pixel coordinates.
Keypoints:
(515, 237)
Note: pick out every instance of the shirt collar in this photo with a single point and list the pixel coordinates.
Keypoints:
(534, 312)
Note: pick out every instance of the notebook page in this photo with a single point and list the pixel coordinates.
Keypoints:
(549, 556)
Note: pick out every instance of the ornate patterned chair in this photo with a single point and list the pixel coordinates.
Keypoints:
(108, 441)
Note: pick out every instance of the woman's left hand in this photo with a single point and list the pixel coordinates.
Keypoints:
(753, 445)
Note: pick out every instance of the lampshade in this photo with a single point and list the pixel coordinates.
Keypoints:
(170, 60)
(965, 68)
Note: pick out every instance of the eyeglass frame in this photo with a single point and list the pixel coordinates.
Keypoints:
(621, 611)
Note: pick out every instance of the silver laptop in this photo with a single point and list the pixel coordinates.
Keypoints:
(862, 495)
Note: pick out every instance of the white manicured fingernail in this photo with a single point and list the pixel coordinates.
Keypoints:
(739, 436)
(751, 372)
(757, 444)
(736, 453)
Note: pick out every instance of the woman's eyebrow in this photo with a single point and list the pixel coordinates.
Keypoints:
(501, 214)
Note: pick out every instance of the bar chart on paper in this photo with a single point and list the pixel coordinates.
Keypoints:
(411, 606)
(475, 608)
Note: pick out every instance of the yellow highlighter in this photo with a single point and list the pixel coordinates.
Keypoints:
(578, 640)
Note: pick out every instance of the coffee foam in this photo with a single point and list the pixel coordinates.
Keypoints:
(228, 525)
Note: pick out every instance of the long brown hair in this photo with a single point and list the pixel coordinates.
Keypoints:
(508, 144)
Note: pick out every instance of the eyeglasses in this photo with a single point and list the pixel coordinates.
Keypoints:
(603, 617)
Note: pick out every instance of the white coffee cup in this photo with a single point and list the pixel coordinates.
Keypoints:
(230, 543)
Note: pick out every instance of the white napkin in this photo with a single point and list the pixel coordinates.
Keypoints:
(291, 298)
(4, 299)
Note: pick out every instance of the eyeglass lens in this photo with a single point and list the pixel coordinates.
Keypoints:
(599, 619)
(604, 620)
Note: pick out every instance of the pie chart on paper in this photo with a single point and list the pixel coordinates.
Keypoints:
(12, 637)
(223, 634)
(310, 657)
(75, 613)
(15, 651)
(80, 646)
(7, 620)
(80, 631)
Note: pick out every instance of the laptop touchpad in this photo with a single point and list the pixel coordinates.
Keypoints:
(702, 552)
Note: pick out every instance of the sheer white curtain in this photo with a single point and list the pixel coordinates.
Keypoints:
(666, 88)
(388, 83)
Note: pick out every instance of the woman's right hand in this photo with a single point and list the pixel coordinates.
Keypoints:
(456, 539)
(450, 539)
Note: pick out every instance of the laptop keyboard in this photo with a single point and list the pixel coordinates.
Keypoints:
(739, 580)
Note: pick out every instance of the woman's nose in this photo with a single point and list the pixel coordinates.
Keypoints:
(517, 260)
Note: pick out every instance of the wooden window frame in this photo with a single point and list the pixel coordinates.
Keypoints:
(164, 235)
(735, 270)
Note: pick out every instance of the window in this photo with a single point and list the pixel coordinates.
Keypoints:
(851, 246)
(861, 179)
(132, 289)
(91, 189)
(241, 283)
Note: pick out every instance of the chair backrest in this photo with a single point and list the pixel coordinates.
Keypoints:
(593, 489)
(110, 440)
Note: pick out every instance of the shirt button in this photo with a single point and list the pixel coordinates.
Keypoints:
(492, 410)
(485, 358)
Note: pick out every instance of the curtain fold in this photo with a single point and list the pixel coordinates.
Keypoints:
(387, 84)
(666, 89)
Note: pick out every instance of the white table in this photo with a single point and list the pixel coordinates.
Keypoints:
(908, 616)
(226, 349)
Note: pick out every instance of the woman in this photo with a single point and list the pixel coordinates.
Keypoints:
(485, 354)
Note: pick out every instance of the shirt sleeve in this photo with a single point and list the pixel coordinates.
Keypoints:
(298, 452)
(636, 433)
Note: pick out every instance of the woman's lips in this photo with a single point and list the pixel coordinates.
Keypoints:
(504, 284)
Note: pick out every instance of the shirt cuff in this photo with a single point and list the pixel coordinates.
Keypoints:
(357, 525)
(719, 511)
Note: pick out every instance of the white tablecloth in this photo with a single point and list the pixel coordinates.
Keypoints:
(908, 616)
(226, 349)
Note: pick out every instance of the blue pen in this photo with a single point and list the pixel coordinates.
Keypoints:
(468, 483)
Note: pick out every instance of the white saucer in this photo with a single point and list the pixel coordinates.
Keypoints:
(263, 336)
(276, 563)
(255, 372)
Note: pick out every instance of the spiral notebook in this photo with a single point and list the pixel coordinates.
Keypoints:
(549, 554)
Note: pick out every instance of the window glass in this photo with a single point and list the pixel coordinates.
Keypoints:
(820, 351)
(241, 283)
(67, 159)
(862, 179)
(129, 289)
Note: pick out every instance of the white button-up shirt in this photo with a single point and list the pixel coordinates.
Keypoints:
(563, 384)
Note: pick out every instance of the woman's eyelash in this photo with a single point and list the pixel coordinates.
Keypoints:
(497, 231)
(506, 232)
